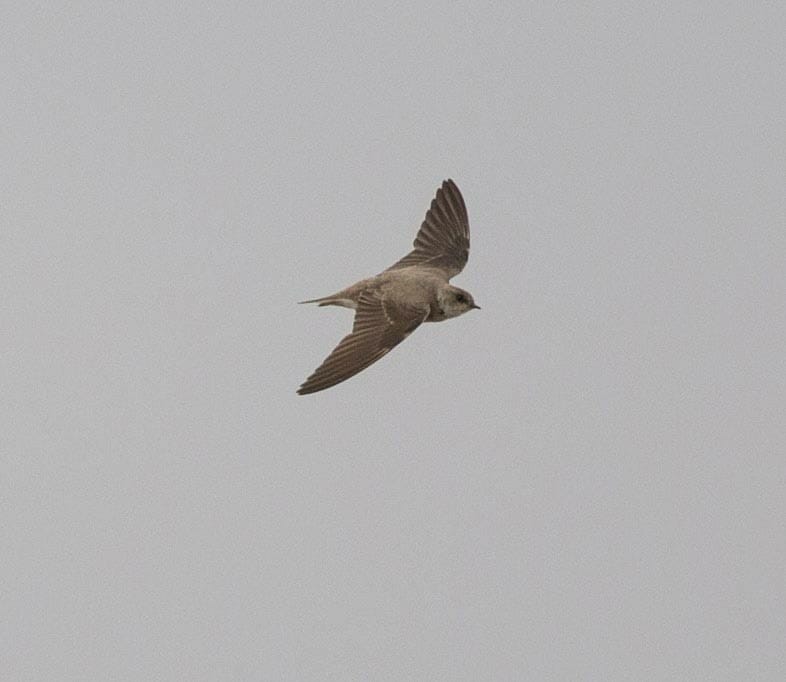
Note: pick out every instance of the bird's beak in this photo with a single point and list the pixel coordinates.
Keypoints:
(475, 307)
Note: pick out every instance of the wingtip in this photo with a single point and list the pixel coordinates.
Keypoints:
(450, 188)
(307, 387)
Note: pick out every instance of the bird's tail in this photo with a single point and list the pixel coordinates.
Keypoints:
(325, 300)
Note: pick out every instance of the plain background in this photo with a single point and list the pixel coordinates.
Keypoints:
(583, 481)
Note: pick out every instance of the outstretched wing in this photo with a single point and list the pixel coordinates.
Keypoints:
(443, 239)
(379, 326)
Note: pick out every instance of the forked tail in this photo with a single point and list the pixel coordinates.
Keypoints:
(334, 299)
(325, 300)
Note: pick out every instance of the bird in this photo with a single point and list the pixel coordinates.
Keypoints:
(415, 289)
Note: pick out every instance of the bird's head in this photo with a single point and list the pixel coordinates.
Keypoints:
(455, 301)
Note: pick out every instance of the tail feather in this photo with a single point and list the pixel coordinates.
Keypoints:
(325, 300)
(333, 300)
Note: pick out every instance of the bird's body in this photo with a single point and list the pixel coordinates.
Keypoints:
(417, 286)
(416, 289)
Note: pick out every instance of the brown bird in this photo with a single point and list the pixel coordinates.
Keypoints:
(415, 289)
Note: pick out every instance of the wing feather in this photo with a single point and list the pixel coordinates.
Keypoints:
(443, 239)
(379, 326)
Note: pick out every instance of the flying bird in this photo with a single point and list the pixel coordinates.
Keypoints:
(416, 289)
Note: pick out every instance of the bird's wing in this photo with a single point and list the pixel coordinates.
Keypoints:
(443, 239)
(379, 325)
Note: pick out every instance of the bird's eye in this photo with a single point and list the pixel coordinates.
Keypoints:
(461, 298)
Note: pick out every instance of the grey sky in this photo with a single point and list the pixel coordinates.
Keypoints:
(583, 481)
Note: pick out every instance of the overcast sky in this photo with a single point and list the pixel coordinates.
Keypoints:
(586, 480)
